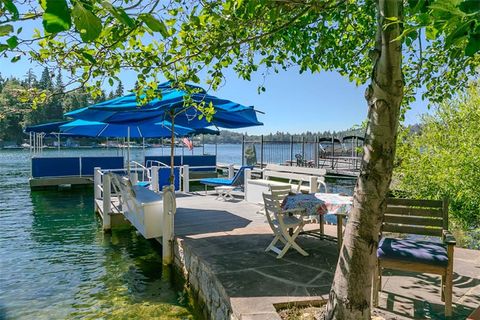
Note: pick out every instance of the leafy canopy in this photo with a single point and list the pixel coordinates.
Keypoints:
(180, 39)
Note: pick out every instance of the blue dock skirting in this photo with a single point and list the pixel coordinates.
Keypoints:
(43, 167)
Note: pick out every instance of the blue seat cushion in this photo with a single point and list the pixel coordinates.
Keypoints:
(143, 184)
(217, 181)
(413, 251)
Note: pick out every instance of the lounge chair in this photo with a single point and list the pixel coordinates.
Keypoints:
(237, 180)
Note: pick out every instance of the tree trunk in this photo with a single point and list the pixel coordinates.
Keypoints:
(351, 289)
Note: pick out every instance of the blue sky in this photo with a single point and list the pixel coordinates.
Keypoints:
(292, 102)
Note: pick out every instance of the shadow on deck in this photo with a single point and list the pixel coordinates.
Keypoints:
(226, 240)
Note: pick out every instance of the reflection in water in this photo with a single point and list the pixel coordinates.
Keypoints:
(56, 263)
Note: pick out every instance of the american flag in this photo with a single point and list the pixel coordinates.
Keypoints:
(187, 142)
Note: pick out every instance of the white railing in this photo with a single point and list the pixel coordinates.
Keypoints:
(138, 167)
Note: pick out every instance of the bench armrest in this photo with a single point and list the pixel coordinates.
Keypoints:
(448, 238)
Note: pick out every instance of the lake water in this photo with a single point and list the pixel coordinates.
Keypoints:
(56, 263)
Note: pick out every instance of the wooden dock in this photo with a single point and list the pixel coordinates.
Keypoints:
(116, 217)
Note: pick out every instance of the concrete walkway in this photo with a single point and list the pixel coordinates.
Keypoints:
(220, 247)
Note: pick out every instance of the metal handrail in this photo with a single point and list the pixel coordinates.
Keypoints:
(145, 170)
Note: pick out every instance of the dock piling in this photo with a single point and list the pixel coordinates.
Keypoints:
(186, 178)
(106, 202)
(155, 178)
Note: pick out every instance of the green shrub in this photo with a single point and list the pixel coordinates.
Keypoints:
(443, 159)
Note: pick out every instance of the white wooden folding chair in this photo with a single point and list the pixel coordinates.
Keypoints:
(281, 221)
(280, 192)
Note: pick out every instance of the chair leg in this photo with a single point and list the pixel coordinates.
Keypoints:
(448, 293)
(442, 288)
(273, 243)
(291, 240)
(376, 283)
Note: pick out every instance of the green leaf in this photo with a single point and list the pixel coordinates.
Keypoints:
(119, 14)
(473, 45)
(88, 24)
(12, 42)
(89, 57)
(16, 58)
(12, 9)
(470, 6)
(5, 29)
(56, 17)
(458, 33)
(110, 81)
(154, 24)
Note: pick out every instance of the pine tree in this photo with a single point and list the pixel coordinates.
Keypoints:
(59, 83)
(111, 95)
(45, 82)
(119, 90)
(30, 80)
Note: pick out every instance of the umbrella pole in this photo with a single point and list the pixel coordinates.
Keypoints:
(128, 150)
(172, 152)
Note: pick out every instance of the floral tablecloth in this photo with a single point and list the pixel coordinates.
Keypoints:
(335, 202)
(318, 204)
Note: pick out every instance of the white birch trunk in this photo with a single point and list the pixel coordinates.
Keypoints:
(351, 289)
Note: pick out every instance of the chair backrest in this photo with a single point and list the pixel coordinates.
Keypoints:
(280, 192)
(238, 178)
(127, 195)
(271, 209)
(421, 217)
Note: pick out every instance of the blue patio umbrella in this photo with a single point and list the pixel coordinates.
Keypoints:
(171, 107)
(51, 127)
(228, 114)
(123, 130)
(129, 130)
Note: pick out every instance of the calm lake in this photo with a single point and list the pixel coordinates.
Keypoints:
(56, 263)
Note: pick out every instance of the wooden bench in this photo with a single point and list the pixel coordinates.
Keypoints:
(416, 217)
(298, 178)
(141, 206)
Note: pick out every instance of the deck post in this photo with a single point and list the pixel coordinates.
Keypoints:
(97, 179)
(291, 151)
(231, 171)
(186, 178)
(155, 179)
(313, 184)
(133, 177)
(106, 202)
(247, 176)
(169, 208)
(243, 150)
(261, 153)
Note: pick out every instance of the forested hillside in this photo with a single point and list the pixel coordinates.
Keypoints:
(15, 114)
